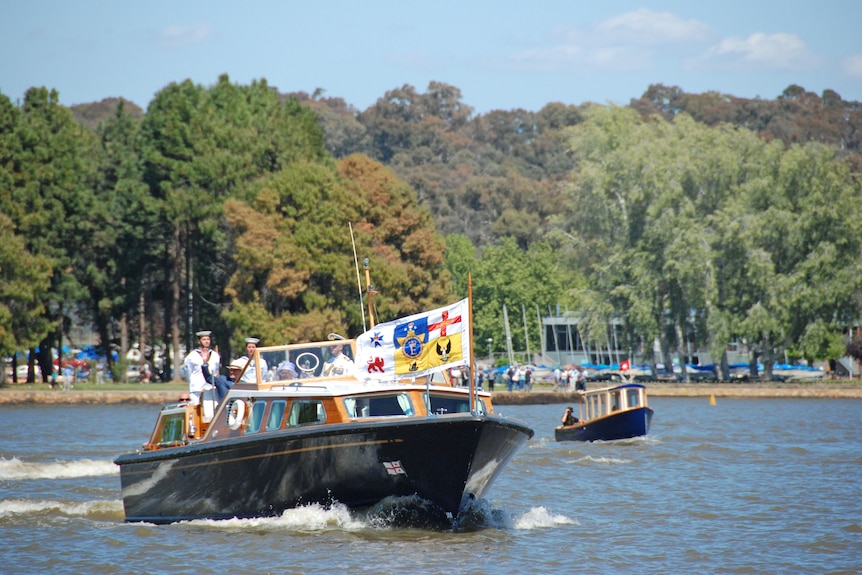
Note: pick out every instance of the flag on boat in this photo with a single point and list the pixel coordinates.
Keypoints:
(625, 365)
(416, 344)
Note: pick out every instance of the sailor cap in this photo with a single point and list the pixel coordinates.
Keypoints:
(203, 333)
(253, 340)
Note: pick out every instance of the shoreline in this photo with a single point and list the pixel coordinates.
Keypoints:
(835, 389)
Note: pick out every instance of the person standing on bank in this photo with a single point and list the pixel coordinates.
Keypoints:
(202, 366)
(250, 374)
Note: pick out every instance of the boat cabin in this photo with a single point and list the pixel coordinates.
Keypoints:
(601, 402)
(293, 386)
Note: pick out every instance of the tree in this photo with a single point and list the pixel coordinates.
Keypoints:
(201, 146)
(24, 281)
(296, 277)
(48, 183)
(696, 234)
(121, 265)
(506, 274)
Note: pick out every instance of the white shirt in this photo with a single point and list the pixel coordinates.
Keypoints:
(249, 375)
(338, 365)
(194, 368)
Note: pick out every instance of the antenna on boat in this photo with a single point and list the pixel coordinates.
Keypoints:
(358, 281)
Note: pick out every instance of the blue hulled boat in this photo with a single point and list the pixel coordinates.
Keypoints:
(609, 413)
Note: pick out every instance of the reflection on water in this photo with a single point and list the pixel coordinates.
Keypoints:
(754, 485)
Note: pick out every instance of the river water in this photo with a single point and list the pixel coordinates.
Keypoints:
(743, 486)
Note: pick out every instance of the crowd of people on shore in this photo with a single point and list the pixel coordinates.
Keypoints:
(520, 378)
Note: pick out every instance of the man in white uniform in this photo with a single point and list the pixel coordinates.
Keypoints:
(202, 366)
(338, 363)
(250, 376)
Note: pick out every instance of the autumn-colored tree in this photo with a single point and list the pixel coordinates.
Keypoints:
(296, 277)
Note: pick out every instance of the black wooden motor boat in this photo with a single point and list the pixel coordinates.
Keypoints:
(305, 435)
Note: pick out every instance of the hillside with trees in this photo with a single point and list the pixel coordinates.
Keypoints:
(688, 217)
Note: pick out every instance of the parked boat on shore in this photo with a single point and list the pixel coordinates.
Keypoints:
(609, 413)
(385, 426)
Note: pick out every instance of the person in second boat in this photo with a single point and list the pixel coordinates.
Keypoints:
(569, 418)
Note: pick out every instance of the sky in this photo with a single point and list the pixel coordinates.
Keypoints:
(501, 54)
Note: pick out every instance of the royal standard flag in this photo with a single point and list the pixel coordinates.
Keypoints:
(417, 344)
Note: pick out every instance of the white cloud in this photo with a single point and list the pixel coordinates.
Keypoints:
(178, 36)
(647, 27)
(759, 51)
(623, 43)
(853, 66)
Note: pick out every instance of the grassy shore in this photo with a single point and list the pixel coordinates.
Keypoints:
(161, 393)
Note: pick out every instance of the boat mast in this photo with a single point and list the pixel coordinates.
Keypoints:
(370, 291)
(472, 364)
(358, 281)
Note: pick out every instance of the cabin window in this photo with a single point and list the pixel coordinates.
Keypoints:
(633, 398)
(597, 406)
(173, 429)
(276, 414)
(255, 418)
(615, 401)
(441, 404)
(306, 412)
(379, 405)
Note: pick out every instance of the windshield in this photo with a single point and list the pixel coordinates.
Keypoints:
(305, 361)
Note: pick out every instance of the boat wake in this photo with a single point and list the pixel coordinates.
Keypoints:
(97, 510)
(480, 515)
(307, 518)
(15, 469)
(392, 513)
(602, 460)
(541, 518)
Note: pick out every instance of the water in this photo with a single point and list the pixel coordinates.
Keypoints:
(744, 486)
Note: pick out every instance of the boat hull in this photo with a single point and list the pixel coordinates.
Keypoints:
(618, 425)
(446, 460)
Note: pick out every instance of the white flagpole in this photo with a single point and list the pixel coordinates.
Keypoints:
(358, 281)
(472, 365)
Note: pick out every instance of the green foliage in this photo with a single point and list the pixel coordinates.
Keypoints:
(48, 173)
(694, 233)
(523, 280)
(24, 281)
(221, 207)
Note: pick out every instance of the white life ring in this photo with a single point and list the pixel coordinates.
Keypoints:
(236, 414)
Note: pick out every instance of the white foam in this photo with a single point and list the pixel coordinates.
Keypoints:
(313, 517)
(16, 469)
(603, 460)
(541, 518)
(12, 507)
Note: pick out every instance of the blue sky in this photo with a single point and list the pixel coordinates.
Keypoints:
(501, 54)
